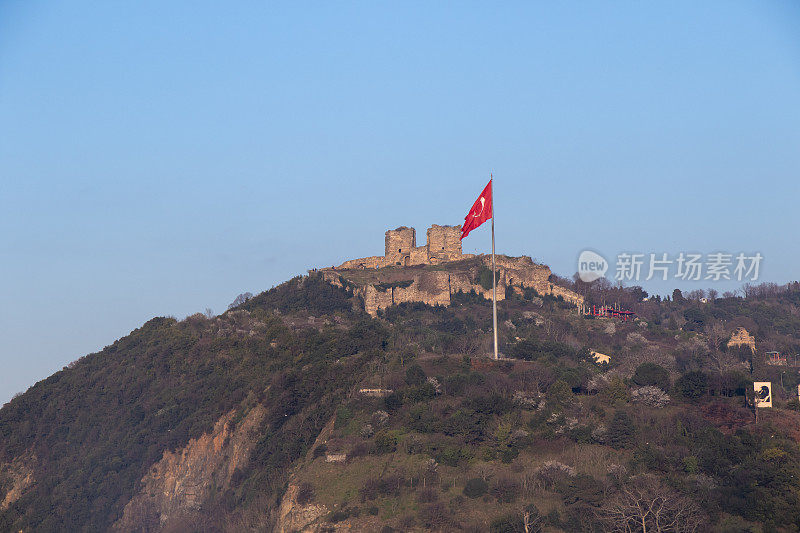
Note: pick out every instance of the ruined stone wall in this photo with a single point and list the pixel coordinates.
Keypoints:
(463, 283)
(435, 287)
(522, 272)
(569, 296)
(365, 262)
(419, 256)
(431, 288)
(375, 299)
(399, 243)
(444, 243)
(428, 287)
(741, 337)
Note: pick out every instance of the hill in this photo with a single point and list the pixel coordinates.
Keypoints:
(297, 410)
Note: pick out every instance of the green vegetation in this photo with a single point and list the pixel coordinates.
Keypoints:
(545, 439)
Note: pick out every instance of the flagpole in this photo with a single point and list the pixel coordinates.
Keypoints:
(494, 281)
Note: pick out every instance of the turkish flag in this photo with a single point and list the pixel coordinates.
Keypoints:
(481, 211)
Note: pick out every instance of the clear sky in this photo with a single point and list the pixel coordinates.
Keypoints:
(158, 158)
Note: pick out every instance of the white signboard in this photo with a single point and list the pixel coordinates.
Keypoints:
(763, 391)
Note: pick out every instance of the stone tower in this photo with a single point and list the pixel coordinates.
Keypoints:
(399, 244)
(444, 243)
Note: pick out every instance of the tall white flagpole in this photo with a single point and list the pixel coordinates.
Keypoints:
(494, 281)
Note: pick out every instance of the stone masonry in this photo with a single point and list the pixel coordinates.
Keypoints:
(444, 244)
(385, 287)
(741, 337)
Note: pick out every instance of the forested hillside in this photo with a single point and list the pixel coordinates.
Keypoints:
(260, 408)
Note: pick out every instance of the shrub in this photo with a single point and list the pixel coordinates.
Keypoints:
(305, 494)
(343, 514)
(421, 393)
(393, 401)
(420, 418)
(583, 488)
(385, 442)
(511, 523)
(415, 376)
(451, 455)
(320, 450)
(554, 473)
(505, 489)
(360, 450)
(464, 423)
(436, 516)
(581, 434)
(369, 491)
(427, 495)
(651, 374)
(475, 488)
(343, 416)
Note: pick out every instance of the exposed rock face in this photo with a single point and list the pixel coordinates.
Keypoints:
(295, 517)
(741, 337)
(15, 477)
(182, 481)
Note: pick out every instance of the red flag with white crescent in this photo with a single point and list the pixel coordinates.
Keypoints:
(481, 211)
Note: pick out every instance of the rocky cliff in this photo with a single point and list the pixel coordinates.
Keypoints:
(182, 481)
(15, 477)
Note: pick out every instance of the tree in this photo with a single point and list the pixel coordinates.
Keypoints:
(651, 374)
(644, 504)
(242, 298)
(695, 319)
(716, 334)
(650, 395)
(559, 395)
(692, 384)
(621, 430)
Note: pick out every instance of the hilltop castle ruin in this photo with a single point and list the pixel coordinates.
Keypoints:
(431, 274)
(444, 245)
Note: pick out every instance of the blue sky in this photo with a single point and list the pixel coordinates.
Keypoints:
(158, 158)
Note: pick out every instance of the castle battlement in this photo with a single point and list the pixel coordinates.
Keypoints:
(444, 245)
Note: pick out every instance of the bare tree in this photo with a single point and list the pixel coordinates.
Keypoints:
(531, 520)
(644, 504)
(242, 298)
(715, 333)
